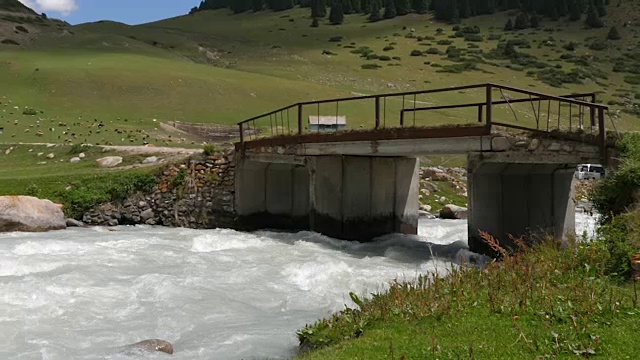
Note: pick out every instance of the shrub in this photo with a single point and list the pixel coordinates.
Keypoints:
(384, 58)
(614, 34)
(78, 148)
(209, 149)
(444, 42)
(473, 37)
(336, 39)
(432, 51)
(598, 45)
(570, 46)
(370, 66)
(632, 79)
(416, 53)
(509, 25)
(388, 48)
(87, 193)
(29, 111)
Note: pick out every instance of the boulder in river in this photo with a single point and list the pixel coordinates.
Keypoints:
(453, 212)
(30, 214)
(152, 345)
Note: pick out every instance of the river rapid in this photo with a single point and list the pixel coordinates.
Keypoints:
(214, 294)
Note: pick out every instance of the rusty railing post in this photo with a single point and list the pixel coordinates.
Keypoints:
(603, 136)
(592, 111)
(489, 105)
(377, 112)
(480, 113)
(241, 133)
(299, 119)
(401, 118)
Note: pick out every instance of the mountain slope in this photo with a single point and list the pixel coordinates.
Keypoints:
(220, 68)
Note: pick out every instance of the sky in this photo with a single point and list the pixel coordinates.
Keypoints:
(131, 12)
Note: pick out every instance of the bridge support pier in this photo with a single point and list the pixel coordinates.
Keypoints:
(534, 199)
(362, 197)
(272, 195)
(346, 197)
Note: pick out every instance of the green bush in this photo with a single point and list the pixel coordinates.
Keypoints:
(632, 79)
(444, 42)
(621, 238)
(416, 53)
(209, 149)
(370, 66)
(89, 192)
(78, 148)
(473, 38)
(388, 48)
(29, 111)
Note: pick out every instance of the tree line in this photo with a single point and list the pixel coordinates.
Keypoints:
(445, 10)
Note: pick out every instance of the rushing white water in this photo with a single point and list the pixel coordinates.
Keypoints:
(83, 293)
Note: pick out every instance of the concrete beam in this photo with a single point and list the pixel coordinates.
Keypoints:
(410, 147)
(275, 158)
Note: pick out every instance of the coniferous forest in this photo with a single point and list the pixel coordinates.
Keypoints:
(445, 10)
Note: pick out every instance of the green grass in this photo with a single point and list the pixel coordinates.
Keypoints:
(544, 302)
(75, 185)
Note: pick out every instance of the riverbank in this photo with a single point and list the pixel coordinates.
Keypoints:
(544, 302)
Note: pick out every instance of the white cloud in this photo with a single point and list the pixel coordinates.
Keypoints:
(65, 7)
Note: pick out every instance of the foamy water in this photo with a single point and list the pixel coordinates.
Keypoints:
(84, 293)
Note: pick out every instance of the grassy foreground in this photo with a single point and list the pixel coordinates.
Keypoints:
(546, 302)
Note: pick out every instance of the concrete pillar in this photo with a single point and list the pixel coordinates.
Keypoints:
(360, 198)
(535, 200)
(383, 195)
(326, 195)
(407, 195)
(250, 187)
(272, 195)
(279, 185)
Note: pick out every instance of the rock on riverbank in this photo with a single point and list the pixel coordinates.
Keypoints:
(30, 214)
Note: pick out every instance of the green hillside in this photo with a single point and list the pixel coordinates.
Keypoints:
(220, 68)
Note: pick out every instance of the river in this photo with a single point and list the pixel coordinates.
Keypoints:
(215, 294)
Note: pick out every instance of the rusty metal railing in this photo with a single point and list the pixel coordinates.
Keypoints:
(491, 105)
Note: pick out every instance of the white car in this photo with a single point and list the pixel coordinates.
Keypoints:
(590, 172)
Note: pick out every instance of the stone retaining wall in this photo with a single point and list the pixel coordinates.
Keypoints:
(198, 193)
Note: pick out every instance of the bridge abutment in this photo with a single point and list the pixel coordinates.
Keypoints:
(533, 199)
(361, 197)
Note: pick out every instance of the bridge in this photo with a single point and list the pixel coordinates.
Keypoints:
(362, 182)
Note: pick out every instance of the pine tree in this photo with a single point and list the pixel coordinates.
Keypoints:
(318, 9)
(602, 9)
(562, 8)
(403, 7)
(421, 6)
(374, 11)
(454, 13)
(464, 9)
(593, 20)
(346, 6)
(336, 16)
(535, 21)
(574, 11)
(509, 25)
(390, 10)
(522, 22)
(257, 5)
(315, 23)
(614, 34)
(355, 5)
